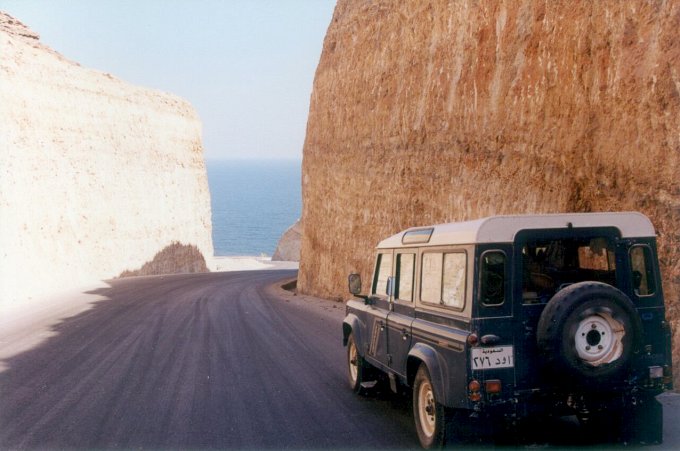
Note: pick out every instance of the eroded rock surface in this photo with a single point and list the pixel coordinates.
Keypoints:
(97, 176)
(288, 247)
(434, 111)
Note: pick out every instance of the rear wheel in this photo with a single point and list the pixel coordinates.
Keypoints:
(428, 413)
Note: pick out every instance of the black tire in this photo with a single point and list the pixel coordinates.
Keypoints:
(428, 414)
(588, 333)
(356, 366)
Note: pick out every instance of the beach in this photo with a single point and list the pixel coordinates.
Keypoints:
(247, 263)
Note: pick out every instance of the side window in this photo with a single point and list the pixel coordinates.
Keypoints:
(431, 278)
(443, 279)
(383, 270)
(492, 278)
(453, 294)
(406, 265)
(642, 272)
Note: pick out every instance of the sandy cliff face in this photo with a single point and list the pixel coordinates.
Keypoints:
(434, 111)
(97, 177)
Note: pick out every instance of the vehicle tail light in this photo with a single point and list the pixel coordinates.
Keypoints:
(492, 386)
(668, 376)
(474, 387)
(472, 339)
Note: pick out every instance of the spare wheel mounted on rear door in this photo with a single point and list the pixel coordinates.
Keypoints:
(589, 332)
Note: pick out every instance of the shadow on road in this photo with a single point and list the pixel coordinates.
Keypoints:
(553, 433)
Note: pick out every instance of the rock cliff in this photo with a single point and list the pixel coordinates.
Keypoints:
(288, 248)
(435, 111)
(97, 176)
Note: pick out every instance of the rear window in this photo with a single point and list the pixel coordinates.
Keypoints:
(549, 265)
(596, 255)
(492, 278)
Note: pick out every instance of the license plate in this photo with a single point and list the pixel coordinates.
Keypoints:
(490, 358)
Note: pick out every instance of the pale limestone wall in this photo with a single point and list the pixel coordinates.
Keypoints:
(434, 111)
(96, 176)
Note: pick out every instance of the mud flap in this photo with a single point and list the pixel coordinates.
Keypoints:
(464, 429)
(643, 422)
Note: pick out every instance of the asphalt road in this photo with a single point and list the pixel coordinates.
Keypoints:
(194, 361)
(221, 360)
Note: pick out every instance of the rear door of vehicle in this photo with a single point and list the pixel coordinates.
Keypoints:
(641, 281)
(400, 319)
(496, 354)
(545, 262)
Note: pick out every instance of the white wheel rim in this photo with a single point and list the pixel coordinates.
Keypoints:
(353, 367)
(599, 339)
(426, 408)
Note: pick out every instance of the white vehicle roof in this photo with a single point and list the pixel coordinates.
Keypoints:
(502, 229)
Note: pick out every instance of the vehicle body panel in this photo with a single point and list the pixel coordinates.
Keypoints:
(503, 272)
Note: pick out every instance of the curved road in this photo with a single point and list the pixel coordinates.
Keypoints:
(221, 360)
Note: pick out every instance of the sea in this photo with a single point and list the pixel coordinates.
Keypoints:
(253, 203)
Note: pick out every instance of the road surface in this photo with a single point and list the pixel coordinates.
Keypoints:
(220, 360)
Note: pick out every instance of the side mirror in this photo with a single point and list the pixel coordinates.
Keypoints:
(354, 284)
(355, 287)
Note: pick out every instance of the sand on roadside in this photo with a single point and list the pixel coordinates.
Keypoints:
(247, 263)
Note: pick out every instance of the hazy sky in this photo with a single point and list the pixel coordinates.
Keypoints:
(247, 66)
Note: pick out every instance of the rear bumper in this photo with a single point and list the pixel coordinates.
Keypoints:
(532, 403)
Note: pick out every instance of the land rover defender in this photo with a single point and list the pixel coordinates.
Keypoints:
(512, 318)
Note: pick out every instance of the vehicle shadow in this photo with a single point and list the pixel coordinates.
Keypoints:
(551, 432)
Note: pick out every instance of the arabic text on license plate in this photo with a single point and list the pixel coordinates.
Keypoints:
(487, 358)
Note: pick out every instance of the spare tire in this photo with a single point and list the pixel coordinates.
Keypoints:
(588, 333)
